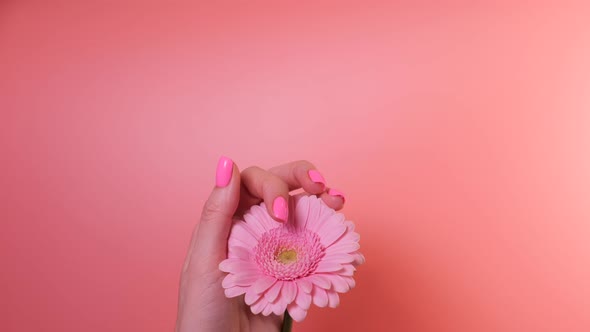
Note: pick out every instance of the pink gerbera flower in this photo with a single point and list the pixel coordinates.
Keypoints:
(288, 266)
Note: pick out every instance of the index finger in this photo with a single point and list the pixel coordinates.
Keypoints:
(301, 174)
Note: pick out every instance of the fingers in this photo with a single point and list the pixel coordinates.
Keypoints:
(273, 186)
(270, 188)
(209, 243)
(301, 174)
(334, 198)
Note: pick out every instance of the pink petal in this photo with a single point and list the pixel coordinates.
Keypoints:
(251, 296)
(263, 284)
(350, 237)
(257, 307)
(327, 266)
(243, 279)
(319, 297)
(235, 291)
(238, 252)
(329, 220)
(278, 308)
(319, 280)
(343, 246)
(296, 312)
(314, 222)
(301, 212)
(267, 309)
(253, 220)
(235, 242)
(288, 292)
(347, 270)
(350, 225)
(339, 258)
(236, 265)
(259, 219)
(338, 283)
(272, 293)
(333, 299)
(329, 235)
(303, 300)
(350, 281)
(244, 233)
(358, 258)
(304, 285)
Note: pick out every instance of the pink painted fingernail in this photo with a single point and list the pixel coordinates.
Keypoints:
(334, 192)
(280, 208)
(316, 176)
(225, 168)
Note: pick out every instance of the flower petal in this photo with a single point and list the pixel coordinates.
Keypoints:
(305, 285)
(257, 307)
(235, 291)
(350, 281)
(303, 300)
(329, 235)
(319, 297)
(253, 220)
(235, 265)
(296, 312)
(343, 246)
(349, 224)
(358, 258)
(333, 299)
(267, 309)
(238, 252)
(340, 258)
(347, 270)
(328, 266)
(271, 294)
(314, 222)
(251, 296)
(338, 283)
(301, 212)
(245, 233)
(278, 308)
(263, 283)
(319, 280)
(242, 279)
(237, 241)
(288, 292)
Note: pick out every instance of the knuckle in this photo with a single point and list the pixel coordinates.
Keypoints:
(274, 183)
(251, 170)
(304, 164)
(211, 209)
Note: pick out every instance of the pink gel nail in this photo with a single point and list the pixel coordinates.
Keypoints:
(334, 192)
(280, 208)
(225, 168)
(316, 176)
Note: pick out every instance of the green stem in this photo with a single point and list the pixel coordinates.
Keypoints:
(287, 323)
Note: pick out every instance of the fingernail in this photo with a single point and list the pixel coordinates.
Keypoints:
(280, 209)
(316, 176)
(225, 168)
(334, 192)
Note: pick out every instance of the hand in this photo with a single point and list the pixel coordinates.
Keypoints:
(202, 304)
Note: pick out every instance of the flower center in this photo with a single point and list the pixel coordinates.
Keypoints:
(287, 254)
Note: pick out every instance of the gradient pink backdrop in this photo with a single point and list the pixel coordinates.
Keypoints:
(460, 133)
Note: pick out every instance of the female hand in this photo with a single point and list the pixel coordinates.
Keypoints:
(202, 304)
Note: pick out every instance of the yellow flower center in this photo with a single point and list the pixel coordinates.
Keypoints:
(287, 256)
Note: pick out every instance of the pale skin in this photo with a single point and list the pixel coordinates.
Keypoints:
(202, 304)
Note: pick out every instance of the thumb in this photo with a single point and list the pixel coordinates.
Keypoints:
(209, 244)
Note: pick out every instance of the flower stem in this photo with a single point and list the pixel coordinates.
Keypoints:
(287, 323)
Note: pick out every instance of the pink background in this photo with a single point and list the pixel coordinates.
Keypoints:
(460, 133)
